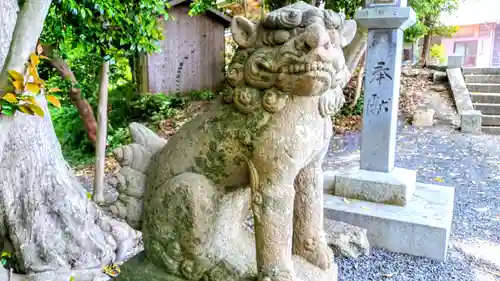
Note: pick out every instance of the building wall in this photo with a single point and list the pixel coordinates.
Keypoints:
(484, 40)
(192, 56)
(484, 46)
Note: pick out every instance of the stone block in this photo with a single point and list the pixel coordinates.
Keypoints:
(471, 121)
(394, 188)
(346, 240)
(423, 117)
(422, 228)
(439, 77)
(455, 61)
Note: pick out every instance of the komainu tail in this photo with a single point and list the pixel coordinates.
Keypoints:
(130, 180)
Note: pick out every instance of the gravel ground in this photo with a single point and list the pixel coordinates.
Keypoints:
(443, 156)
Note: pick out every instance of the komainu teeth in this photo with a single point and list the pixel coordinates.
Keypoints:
(303, 68)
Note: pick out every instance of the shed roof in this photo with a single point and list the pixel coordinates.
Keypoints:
(218, 16)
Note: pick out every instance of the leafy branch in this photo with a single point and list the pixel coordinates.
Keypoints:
(23, 90)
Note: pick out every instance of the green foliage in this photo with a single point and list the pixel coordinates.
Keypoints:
(125, 106)
(428, 14)
(357, 110)
(347, 7)
(198, 7)
(413, 33)
(106, 27)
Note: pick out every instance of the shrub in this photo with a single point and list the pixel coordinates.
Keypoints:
(438, 52)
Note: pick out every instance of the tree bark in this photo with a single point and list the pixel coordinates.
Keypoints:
(75, 94)
(45, 211)
(425, 50)
(98, 195)
(45, 214)
(355, 51)
(359, 84)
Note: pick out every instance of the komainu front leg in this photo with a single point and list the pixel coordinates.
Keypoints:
(272, 206)
(309, 240)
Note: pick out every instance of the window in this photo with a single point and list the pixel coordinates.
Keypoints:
(468, 49)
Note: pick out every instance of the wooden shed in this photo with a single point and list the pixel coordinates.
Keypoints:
(192, 53)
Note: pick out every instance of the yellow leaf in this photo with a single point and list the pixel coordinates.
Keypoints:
(18, 85)
(89, 195)
(6, 254)
(54, 101)
(53, 90)
(365, 208)
(25, 109)
(345, 200)
(28, 99)
(112, 270)
(438, 179)
(16, 76)
(34, 74)
(10, 97)
(37, 110)
(43, 57)
(33, 87)
(34, 59)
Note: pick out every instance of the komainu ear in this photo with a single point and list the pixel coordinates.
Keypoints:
(348, 32)
(244, 31)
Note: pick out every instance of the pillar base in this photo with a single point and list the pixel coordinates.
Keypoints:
(394, 188)
(421, 228)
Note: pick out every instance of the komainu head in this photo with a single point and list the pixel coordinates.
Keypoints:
(295, 50)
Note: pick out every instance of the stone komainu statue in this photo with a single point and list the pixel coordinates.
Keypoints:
(261, 143)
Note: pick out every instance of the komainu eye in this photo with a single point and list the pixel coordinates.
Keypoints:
(281, 37)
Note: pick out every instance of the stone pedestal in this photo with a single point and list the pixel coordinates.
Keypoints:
(421, 228)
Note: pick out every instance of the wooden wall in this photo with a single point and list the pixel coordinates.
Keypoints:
(192, 56)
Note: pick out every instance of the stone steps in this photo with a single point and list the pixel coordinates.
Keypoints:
(492, 130)
(485, 97)
(484, 87)
(488, 108)
(482, 78)
(484, 71)
(491, 120)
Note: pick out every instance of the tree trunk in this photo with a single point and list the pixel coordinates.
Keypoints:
(45, 214)
(359, 84)
(355, 51)
(425, 50)
(75, 94)
(98, 195)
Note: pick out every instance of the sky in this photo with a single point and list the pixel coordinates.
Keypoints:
(474, 12)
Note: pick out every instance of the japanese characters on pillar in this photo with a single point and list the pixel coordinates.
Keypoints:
(385, 20)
